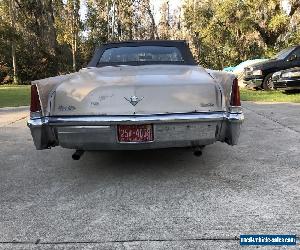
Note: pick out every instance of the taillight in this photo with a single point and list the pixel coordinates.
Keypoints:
(35, 105)
(235, 94)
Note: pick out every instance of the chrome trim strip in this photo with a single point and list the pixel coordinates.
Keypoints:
(90, 127)
(235, 117)
(134, 119)
(235, 109)
(85, 129)
(37, 122)
(36, 114)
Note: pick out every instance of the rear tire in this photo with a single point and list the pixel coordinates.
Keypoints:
(268, 84)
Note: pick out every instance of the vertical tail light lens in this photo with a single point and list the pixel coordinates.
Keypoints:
(35, 105)
(235, 94)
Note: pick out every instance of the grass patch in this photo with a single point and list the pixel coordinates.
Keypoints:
(270, 96)
(14, 96)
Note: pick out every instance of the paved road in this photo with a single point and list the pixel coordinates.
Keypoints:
(165, 199)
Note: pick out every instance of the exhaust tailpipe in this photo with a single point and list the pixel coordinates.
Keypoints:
(198, 151)
(77, 155)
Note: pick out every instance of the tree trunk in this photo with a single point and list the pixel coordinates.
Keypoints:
(48, 26)
(107, 19)
(74, 51)
(74, 36)
(154, 32)
(113, 21)
(13, 43)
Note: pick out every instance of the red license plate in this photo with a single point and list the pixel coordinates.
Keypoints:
(135, 133)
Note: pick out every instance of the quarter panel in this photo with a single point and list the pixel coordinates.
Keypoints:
(225, 80)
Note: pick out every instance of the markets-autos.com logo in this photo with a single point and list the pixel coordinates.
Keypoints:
(270, 240)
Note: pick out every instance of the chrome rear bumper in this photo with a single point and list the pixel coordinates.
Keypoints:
(170, 130)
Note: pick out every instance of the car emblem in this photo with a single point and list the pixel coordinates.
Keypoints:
(134, 100)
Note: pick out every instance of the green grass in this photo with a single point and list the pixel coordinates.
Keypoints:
(14, 96)
(270, 96)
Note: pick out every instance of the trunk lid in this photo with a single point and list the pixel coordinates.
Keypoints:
(141, 90)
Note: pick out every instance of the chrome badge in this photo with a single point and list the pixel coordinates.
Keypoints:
(134, 100)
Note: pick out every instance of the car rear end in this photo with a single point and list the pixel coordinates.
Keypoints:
(137, 95)
(137, 130)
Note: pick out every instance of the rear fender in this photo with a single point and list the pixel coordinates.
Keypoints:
(46, 89)
(225, 80)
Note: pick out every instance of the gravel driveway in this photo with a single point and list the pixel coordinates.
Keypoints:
(161, 199)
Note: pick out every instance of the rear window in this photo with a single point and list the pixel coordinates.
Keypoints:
(155, 54)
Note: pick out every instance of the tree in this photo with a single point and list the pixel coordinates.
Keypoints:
(96, 23)
(227, 32)
(36, 25)
(269, 19)
(73, 27)
(42, 38)
(146, 11)
(116, 20)
(164, 23)
(12, 13)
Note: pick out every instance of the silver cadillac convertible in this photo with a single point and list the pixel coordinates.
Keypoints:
(136, 95)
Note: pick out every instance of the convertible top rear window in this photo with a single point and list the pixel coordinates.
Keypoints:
(125, 55)
(142, 53)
